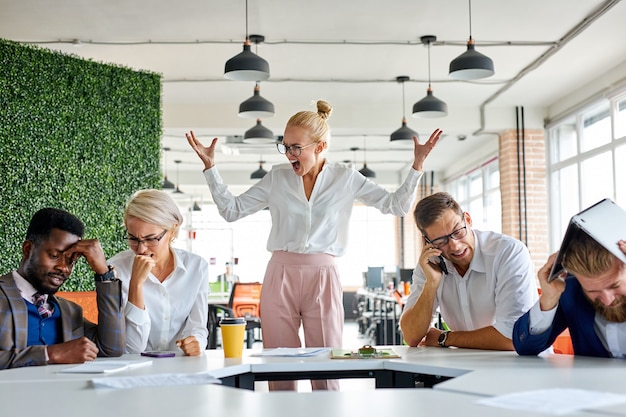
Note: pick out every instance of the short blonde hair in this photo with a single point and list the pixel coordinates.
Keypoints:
(314, 122)
(155, 207)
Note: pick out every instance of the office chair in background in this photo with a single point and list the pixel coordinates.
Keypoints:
(245, 299)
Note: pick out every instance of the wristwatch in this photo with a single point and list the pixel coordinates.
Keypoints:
(110, 275)
(442, 338)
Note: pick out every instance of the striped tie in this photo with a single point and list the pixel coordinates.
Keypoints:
(40, 302)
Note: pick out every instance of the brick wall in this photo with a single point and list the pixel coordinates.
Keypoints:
(535, 206)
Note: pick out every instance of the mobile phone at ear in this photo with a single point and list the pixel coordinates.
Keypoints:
(158, 354)
(439, 263)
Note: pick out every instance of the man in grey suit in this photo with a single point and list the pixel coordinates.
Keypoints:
(52, 330)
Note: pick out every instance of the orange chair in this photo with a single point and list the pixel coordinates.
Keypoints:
(245, 299)
(85, 299)
(563, 344)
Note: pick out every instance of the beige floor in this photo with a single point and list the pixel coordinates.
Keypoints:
(351, 340)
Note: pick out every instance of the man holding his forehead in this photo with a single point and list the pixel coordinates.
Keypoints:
(590, 300)
(480, 281)
(37, 328)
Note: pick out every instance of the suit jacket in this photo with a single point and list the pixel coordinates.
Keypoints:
(109, 335)
(575, 312)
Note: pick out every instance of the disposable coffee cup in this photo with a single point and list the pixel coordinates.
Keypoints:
(233, 334)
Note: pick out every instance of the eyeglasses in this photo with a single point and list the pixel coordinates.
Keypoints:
(294, 150)
(444, 240)
(150, 242)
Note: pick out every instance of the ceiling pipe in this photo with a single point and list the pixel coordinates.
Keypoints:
(569, 36)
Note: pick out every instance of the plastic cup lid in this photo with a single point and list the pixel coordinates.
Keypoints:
(233, 320)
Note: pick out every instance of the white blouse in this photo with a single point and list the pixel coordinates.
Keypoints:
(176, 308)
(317, 225)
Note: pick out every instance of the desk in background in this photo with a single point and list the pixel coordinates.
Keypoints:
(220, 299)
(378, 315)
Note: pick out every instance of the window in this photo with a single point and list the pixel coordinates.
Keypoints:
(620, 119)
(584, 155)
(565, 202)
(564, 145)
(596, 128)
(620, 176)
(478, 193)
(371, 242)
(596, 173)
(218, 241)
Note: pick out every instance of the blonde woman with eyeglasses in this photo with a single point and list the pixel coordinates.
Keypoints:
(310, 200)
(165, 289)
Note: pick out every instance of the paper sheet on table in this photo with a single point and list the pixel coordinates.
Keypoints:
(156, 380)
(104, 366)
(292, 352)
(556, 401)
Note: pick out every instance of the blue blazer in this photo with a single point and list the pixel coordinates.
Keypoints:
(109, 334)
(574, 312)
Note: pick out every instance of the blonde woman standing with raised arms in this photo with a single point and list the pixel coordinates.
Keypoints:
(310, 201)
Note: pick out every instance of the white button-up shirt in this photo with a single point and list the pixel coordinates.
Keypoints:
(498, 287)
(319, 224)
(176, 308)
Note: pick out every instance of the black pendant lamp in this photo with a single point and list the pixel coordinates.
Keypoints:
(177, 190)
(196, 206)
(256, 107)
(259, 134)
(247, 66)
(167, 184)
(259, 173)
(430, 106)
(471, 64)
(403, 132)
(367, 173)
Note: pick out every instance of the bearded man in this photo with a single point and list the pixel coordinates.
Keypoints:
(589, 299)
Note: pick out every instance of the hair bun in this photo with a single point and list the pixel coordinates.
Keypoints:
(324, 109)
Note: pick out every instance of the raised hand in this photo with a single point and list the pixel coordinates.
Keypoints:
(206, 153)
(422, 151)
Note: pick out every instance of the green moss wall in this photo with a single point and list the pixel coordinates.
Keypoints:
(77, 135)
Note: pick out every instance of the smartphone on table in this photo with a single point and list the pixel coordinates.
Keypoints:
(158, 354)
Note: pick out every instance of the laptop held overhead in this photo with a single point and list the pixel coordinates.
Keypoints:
(605, 222)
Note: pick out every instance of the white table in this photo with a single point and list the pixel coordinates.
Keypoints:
(501, 375)
(468, 374)
(78, 399)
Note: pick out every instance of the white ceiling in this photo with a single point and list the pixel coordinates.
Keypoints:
(347, 52)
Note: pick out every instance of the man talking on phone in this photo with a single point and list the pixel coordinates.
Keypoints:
(589, 299)
(480, 281)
